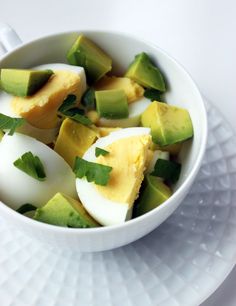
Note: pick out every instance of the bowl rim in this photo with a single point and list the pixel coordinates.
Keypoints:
(183, 187)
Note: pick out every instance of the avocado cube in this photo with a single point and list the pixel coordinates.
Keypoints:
(145, 73)
(63, 210)
(169, 124)
(87, 54)
(132, 89)
(155, 192)
(112, 104)
(73, 140)
(173, 149)
(23, 82)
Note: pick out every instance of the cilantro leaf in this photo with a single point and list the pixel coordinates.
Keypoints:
(167, 169)
(153, 95)
(97, 173)
(26, 208)
(88, 99)
(68, 103)
(99, 151)
(10, 123)
(31, 165)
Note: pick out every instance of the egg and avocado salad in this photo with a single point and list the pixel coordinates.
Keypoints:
(84, 147)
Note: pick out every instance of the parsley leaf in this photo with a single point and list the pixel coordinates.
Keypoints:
(74, 113)
(99, 151)
(26, 208)
(75, 110)
(68, 103)
(167, 169)
(81, 119)
(153, 95)
(10, 123)
(97, 173)
(88, 99)
(31, 165)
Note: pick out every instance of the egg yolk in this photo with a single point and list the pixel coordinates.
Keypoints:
(128, 158)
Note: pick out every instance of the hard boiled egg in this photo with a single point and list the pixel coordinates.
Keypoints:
(17, 187)
(135, 110)
(65, 67)
(44, 135)
(128, 151)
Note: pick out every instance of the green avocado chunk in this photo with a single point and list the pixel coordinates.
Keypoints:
(23, 82)
(112, 104)
(155, 193)
(62, 210)
(87, 54)
(145, 73)
(169, 124)
(1, 135)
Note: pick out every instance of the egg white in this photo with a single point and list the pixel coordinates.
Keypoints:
(18, 188)
(44, 135)
(105, 211)
(135, 110)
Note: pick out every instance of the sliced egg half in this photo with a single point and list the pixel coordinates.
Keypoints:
(44, 135)
(17, 187)
(77, 69)
(135, 110)
(128, 151)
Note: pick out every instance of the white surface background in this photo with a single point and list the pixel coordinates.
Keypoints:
(200, 34)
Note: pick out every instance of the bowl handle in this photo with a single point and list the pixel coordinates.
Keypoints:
(8, 37)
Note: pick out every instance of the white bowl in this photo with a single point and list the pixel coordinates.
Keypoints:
(182, 91)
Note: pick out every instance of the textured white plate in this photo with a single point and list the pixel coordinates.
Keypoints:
(180, 263)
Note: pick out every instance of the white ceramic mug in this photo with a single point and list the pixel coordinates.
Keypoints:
(182, 91)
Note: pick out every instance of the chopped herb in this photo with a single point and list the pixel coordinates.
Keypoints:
(99, 151)
(75, 110)
(26, 208)
(88, 99)
(9, 123)
(31, 165)
(153, 95)
(97, 173)
(81, 119)
(167, 169)
(74, 113)
(68, 103)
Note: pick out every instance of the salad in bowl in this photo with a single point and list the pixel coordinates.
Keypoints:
(95, 145)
